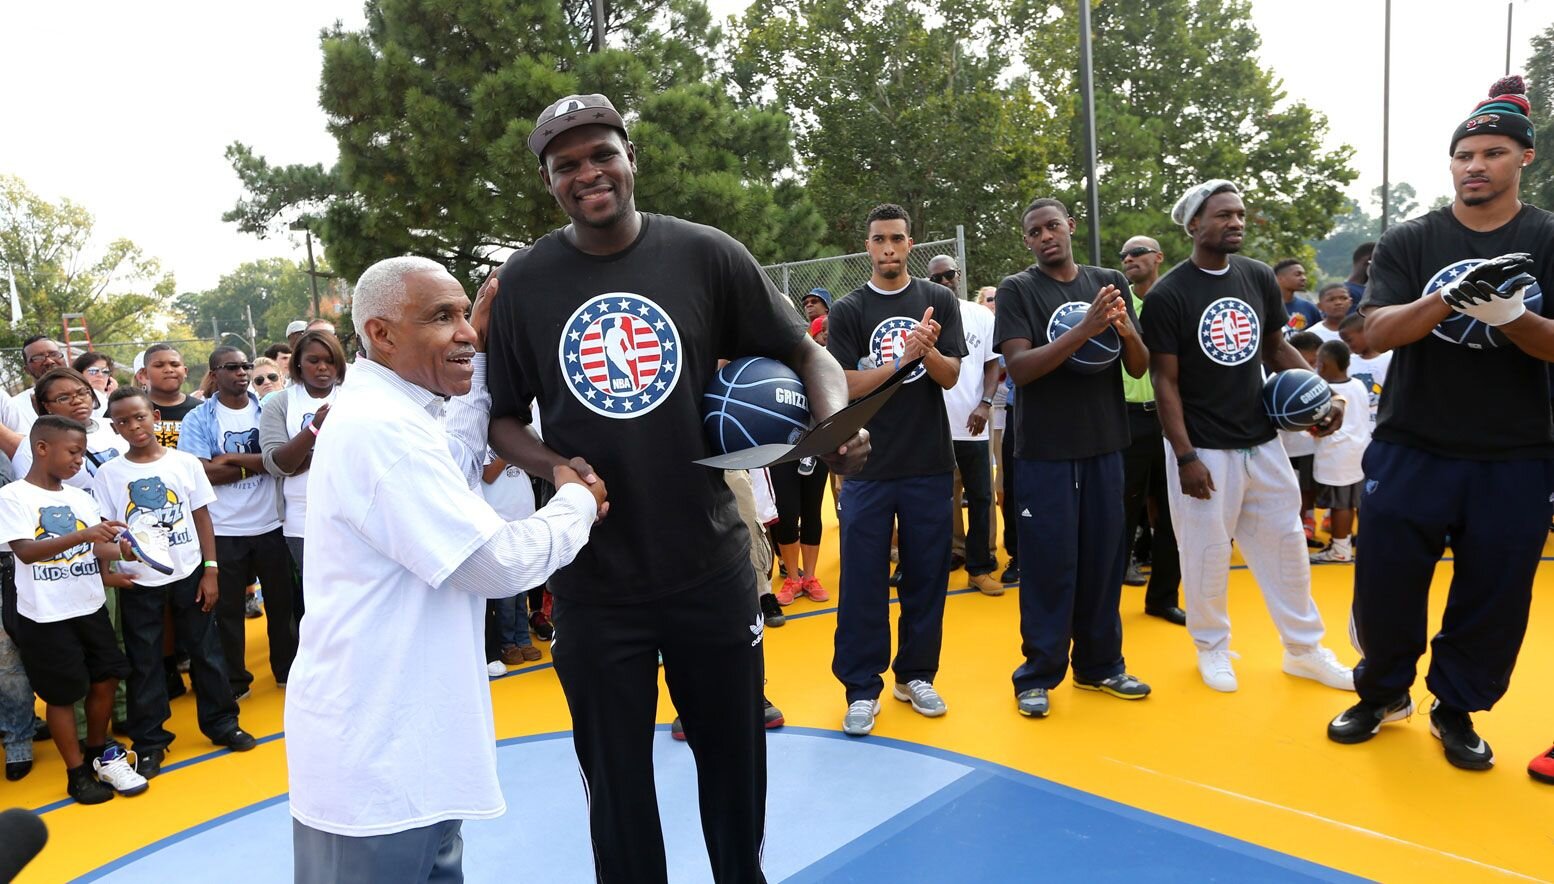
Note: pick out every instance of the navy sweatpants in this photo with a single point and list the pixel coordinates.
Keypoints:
(1497, 516)
(1072, 559)
(920, 506)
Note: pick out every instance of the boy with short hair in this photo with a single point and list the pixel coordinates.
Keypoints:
(1366, 365)
(1302, 447)
(162, 494)
(63, 633)
(1337, 466)
(1334, 301)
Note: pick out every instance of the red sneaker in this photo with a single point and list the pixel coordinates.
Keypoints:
(1542, 768)
(812, 588)
(791, 588)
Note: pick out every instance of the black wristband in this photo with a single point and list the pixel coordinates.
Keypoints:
(1183, 460)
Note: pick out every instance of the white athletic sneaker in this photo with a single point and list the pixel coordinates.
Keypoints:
(1216, 670)
(495, 669)
(924, 699)
(859, 719)
(1320, 665)
(115, 769)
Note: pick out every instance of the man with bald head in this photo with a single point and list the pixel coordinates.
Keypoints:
(384, 770)
(1143, 461)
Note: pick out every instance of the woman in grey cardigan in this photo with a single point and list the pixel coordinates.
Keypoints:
(290, 422)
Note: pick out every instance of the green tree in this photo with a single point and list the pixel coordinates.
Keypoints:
(432, 102)
(276, 290)
(48, 249)
(1335, 252)
(916, 103)
(1181, 97)
(1538, 179)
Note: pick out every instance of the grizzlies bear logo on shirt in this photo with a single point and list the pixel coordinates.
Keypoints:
(243, 442)
(887, 343)
(152, 503)
(58, 521)
(620, 355)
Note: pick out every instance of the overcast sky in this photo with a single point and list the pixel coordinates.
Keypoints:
(126, 108)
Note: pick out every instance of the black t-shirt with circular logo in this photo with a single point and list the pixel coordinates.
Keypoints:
(1064, 414)
(618, 350)
(1214, 324)
(1457, 400)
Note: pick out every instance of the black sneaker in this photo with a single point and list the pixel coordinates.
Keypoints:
(677, 730)
(1464, 747)
(772, 716)
(84, 787)
(15, 770)
(540, 625)
(1361, 721)
(895, 576)
(149, 763)
(175, 685)
(771, 612)
(1011, 576)
(238, 740)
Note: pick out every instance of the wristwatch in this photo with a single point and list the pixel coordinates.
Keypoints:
(986, 401)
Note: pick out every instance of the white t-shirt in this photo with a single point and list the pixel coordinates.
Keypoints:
(961, 399)
(300, 408)
(20, 414)
(511, 495)
(67, 585)
(245, 508)
(1372, 373)
(390, 677)
(1321, 330)
(102, 445)
(1298, 443)
(1338, 456)
(165, 491)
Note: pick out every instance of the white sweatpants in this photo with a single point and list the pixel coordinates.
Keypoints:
(1256, 503)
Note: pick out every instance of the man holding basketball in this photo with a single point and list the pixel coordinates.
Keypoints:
(1463, 448)
(669, 569)
(887, 322)
(1211, 325)
(1068, 472)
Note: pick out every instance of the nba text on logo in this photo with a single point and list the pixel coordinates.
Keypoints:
(619, 353)
(887, 343)
(1229, 332)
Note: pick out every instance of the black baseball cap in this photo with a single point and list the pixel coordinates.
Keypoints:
(569, 113)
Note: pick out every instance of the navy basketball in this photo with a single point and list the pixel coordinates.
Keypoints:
(1296, 399)
(1469, 332)
(754, 401)
(1096, 353)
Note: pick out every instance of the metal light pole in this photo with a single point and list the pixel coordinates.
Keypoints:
(1087, 87)
(1509, 8)
(1386, 116)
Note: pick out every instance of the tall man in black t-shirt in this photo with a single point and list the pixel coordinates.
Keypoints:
(1071, 427)
(1463, 448)
(890, 320)
(1211, 325)
(615, 324)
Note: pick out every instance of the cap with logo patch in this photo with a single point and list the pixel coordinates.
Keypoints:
(569, 113)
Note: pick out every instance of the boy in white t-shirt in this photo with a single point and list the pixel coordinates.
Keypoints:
(1365, 364)
(1338, 471)
(163, 495)
(63, 633)
(1301, 446)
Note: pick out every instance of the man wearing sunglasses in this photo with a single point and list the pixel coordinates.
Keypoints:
(224, 434)
(40, 355)
(1143, 461)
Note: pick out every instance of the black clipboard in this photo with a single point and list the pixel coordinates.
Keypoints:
(826, 437)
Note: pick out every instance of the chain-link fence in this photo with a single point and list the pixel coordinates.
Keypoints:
(843, 273)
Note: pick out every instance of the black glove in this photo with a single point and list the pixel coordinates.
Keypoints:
(1496, 271)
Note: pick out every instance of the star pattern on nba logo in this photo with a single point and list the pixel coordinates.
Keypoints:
(1229, 331)
(888, 340)
(617, 355)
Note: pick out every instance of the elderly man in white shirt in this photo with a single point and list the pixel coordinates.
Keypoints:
(389, 734)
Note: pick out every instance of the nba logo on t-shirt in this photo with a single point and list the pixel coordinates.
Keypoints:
(619, 353)
(887, 343)
(1229, 332)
